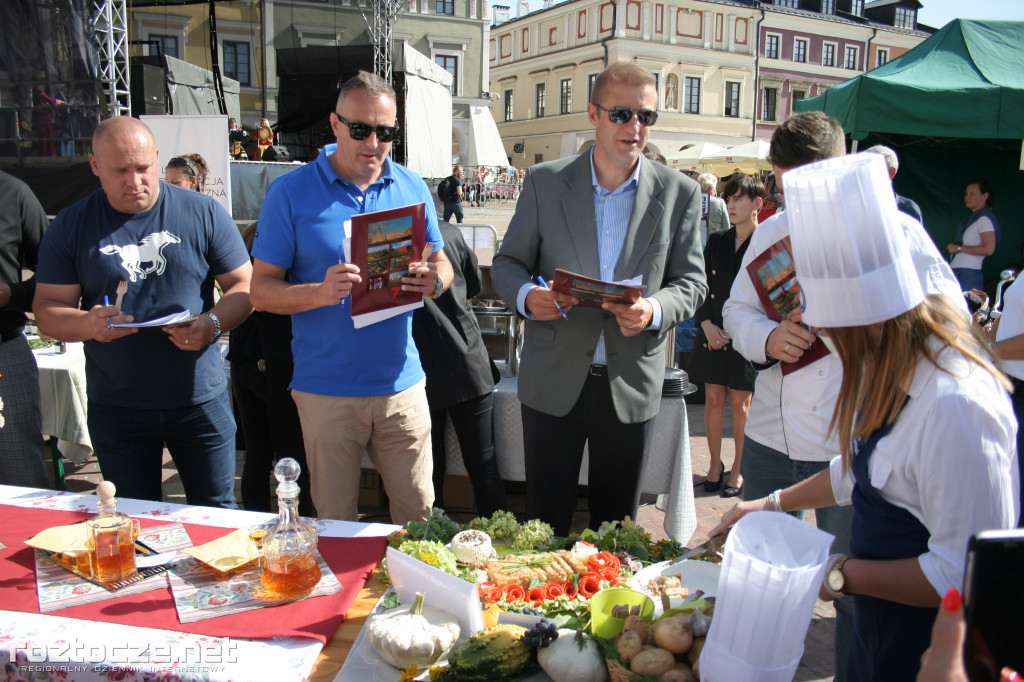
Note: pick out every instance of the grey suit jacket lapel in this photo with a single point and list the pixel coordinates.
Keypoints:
(578, 205)
(647, 210)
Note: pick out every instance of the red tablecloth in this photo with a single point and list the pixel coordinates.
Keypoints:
(351, 560)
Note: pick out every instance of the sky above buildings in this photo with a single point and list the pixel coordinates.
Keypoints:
(935, 13)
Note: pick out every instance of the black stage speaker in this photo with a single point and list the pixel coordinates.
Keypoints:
(276, 152)
(149, 89)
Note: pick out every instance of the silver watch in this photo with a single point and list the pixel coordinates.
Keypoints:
(216, 326)
(438, 289)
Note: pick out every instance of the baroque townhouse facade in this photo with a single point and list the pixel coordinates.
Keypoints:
(727, 70)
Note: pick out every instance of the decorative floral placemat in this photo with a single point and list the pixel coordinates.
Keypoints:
(199, 595)
(58, 588)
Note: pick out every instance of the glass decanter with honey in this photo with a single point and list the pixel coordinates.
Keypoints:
(289, 568)
(111, 539)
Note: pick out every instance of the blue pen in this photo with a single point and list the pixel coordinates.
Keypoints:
(106, 301)
(341, 259)
(540, 280)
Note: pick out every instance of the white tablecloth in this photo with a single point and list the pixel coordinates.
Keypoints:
(64, 401)
(668, 470)
(85, 650)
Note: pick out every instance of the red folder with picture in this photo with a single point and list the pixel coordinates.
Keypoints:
(384, 243)
(774, 279)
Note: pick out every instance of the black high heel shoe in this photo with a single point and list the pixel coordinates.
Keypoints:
(714, 486)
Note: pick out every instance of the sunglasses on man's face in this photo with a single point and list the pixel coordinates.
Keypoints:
(361, 131)
(623, 115)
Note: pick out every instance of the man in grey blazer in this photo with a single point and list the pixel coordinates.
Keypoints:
(595, 374)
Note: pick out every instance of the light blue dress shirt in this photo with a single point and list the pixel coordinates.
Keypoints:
(612, 210)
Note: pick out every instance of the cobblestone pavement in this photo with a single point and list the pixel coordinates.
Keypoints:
(817, 663)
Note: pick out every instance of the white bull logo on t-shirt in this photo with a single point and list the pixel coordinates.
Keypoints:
(149, 250)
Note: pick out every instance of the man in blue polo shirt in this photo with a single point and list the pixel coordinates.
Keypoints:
(356, 389)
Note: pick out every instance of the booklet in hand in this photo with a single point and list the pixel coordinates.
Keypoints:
(593, 292)
(383, 245)
(774, 279)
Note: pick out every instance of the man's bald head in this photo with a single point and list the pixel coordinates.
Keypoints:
(123, 126)
(125, 159)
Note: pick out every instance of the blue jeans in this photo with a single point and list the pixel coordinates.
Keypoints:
(765, 470)
(129, 445)
(451, 207)
(969, 278)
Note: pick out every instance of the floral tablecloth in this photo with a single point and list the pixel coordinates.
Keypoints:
(47, 647)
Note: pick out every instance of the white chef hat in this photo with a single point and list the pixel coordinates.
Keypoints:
(850, 250)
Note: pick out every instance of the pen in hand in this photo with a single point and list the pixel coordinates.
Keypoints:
(540, 280)
(106, 302)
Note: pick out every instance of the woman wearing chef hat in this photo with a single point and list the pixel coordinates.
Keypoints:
(927, 432)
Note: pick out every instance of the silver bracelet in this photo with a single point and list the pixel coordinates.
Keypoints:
(775, 500)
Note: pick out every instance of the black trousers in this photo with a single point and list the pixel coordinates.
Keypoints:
(474, 426)
(554, 454)
(270, 422)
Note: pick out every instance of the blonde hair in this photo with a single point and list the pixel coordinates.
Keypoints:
(876, 375)
(625, 73)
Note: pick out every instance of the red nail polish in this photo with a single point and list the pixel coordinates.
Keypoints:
(1009, 675)
(951, 602)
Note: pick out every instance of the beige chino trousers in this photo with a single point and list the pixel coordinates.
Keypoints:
(393, 429)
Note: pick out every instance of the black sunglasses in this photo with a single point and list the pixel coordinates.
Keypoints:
(361, 131)
(179, 162)
(623, 115)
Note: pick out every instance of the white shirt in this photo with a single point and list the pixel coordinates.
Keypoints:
(1011, 324)
(791, 414)
(950, 460)
(972, 237)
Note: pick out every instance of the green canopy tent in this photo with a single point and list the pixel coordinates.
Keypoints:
(953, 108)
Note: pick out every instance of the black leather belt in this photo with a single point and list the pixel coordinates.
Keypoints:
(10, 334)
(599, 370)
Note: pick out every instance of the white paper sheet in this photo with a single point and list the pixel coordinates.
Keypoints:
(173, 318)
(443, 590)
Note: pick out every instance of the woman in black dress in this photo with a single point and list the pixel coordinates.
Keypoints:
(722, 370)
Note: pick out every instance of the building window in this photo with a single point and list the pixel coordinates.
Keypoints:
(828, 6)
(906, 17)
(732, 99)
(788, 3)
(800, 50)
(565, 96)
(770, 104)
(795, 97)
(591, 82)
(850, 57)
(828, 54)
(691, 98)
(771, 47)
(168, 44)
(857, 8)
(445, 7)
(883, 56)
(509, 106)
(236, 61)
(542, 98)
(538, 158)
(450, 63)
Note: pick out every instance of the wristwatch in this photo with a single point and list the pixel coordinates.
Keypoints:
(835, 581)
(216, 326)
(438, 289)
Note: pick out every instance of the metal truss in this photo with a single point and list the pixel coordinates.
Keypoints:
(110, 18)
(385, 14)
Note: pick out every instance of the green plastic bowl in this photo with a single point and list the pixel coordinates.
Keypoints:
(602, 623)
